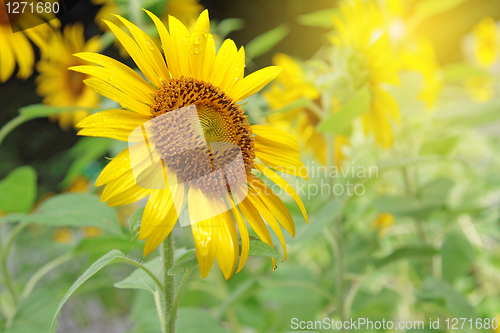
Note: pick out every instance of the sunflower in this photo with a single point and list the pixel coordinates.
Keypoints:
(61, 87)
(16, 47)
(192, 76)
(291, 86)
(486, 42)
(360, 35)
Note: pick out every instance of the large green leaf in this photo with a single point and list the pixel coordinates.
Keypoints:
(265, 42)
(407, 252)
(338, 122)
(139, 279)
(18, 190)
(457, 256)
(434, 289)
(34, 313)
(196, 321)
(104, 244)
(260, 249)
(112, 257)
(71, 210)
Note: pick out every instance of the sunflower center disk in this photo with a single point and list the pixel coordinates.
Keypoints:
(202, 136)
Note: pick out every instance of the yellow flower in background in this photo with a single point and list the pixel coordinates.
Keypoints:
(382, 223)
(192, 73)
(15, 46)
(185, 11)
(481, 89)
(486, 42)
(419, 55)
(91, 232)
(61, 87)
(360, 28)
(290, 87)
(497, 330)
(63, 235)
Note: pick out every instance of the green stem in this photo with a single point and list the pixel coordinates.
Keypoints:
(159, 309)
(7, 128)
(173, 313)
(41, 273)
(340, 269)
(3, 261)
(167, 260)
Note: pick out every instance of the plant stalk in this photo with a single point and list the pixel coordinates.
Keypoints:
(167, 260)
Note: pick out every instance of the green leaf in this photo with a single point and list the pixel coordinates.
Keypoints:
(260, 249)
(134, 221)
(338, 123)
(196, 320)
(407, 252)
(41, 110)
(469, 114)
(321, 18)
(71, 210)
(112, 257)
(457, 257)
(265, 42)
(18, 190)
(104, 244)
(225, 27)
(439, 145)
(434, 289)
(33, 313)
(183, 266)
(139, 279)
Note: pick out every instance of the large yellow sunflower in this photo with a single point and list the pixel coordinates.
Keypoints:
(15, 46)
(360, 30)
(192, 74)
(486, 42)
(291, 86)
(60, 86)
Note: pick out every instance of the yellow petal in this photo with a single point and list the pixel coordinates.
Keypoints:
(115, 77)
(235, 72)
(7, 63)
(209, 59)
(268, 217)
(149, 49)
(117, 167)
(168, 48)
(287, 163)
(227, 244)
(131, 195)
(179, 36)
(24, 54)
(198, 45)
(224, 57)
(245, 240)
(254, 82)
(123, 73)
(275, 138)
(115, 124)
(159, 218)
(278, 180)
(273, 203)
(136, 54)
(107, 90)
(252, 216)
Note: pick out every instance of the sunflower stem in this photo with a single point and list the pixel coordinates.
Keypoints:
(167, 259)
(173, 313)
(7, 128)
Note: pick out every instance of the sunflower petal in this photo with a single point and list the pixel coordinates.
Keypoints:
(287, 163)
(254, 82)
(179, 36)
(278, 180)
(275, 138)
(115, 124)
(198, 45)
(245, 239)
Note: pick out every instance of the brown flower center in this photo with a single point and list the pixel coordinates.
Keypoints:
(213, 149)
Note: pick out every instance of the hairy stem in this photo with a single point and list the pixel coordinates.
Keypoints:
(167, 260)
